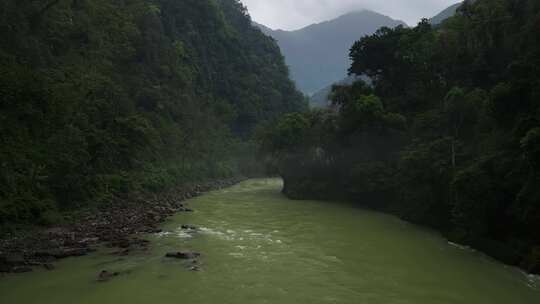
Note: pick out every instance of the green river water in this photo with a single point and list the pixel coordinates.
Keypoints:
(259, 247)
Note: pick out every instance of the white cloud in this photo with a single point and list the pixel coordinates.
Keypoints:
(294, 14)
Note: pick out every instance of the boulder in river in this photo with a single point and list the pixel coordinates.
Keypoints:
(183, 255)
(189, 227)
(105, 275)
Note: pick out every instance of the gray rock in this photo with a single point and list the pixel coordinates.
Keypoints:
(105, 275)
(21, 269)
(63, 252)
(183, 255)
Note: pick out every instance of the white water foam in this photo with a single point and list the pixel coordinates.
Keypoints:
(533, 281)
(163, 234)
(241, 235)
(180, 233)
(462, 247)
(236, 254)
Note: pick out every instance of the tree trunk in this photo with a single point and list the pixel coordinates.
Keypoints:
(454, 154)
(454, 139)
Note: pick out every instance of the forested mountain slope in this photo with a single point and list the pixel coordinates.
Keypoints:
(317, 54)
(447, 135)
(99, 97)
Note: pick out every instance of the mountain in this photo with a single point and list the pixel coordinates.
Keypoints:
(268, 31)
(105, 97)
(317, 55)
(320, 98)
(445, 14)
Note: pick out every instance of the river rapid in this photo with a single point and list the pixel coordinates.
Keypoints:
(259, 247)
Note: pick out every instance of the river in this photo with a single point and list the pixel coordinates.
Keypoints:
(259, 247)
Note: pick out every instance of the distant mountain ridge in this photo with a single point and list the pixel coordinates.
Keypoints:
(445, 14)
(320, 99)
(317, 55)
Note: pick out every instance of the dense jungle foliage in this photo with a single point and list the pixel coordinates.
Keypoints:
(447, 135)
(101, 97)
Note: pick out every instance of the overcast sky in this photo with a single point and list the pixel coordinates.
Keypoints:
(295, 14)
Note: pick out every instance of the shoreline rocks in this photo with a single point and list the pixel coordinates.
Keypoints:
(62, 253)
(116, 225)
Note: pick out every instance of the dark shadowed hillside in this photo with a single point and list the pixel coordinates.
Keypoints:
(99, 97)
(446, 135)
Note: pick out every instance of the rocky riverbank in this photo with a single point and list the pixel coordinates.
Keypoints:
(119, 225)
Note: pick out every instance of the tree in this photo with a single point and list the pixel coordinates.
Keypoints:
(461, 113)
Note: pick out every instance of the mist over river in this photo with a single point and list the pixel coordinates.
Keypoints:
(259, 247)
